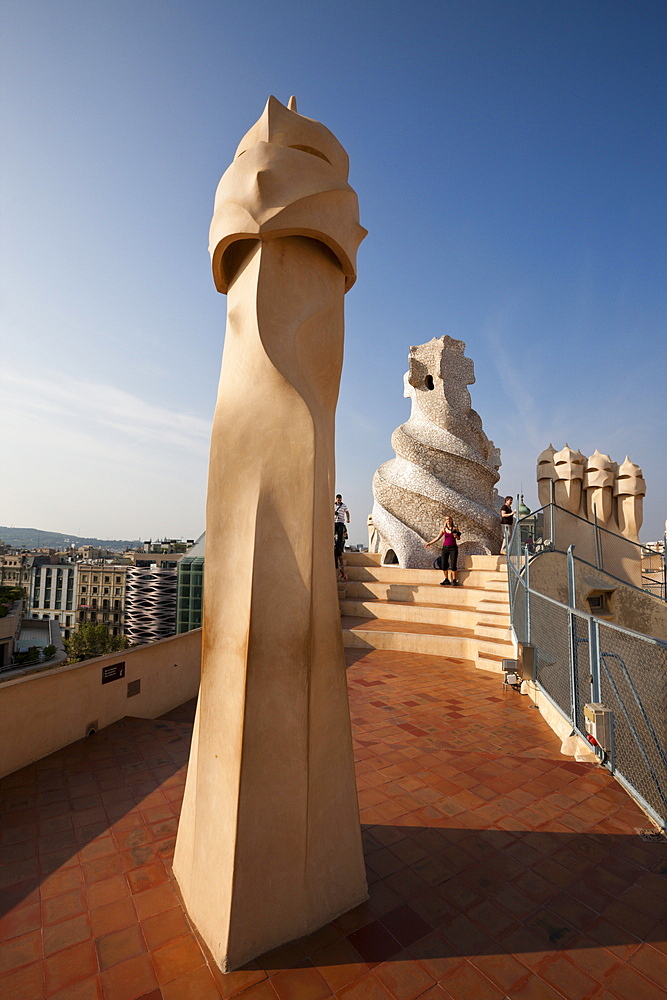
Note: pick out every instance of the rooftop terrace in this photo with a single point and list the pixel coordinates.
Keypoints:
(497, 867)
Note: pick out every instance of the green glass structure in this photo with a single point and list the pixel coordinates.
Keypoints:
(190, 592)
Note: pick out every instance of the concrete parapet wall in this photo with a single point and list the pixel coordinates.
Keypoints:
(46, 711)
(628, 606)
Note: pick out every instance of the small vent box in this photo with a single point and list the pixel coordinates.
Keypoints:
(511, 671)
(598, 721)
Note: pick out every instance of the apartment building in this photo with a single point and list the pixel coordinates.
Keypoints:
(100, 596)
(16, 569)
(52, 592)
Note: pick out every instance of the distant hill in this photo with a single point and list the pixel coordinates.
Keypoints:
(34, 538)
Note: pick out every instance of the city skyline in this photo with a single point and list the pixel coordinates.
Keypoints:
(509, 161)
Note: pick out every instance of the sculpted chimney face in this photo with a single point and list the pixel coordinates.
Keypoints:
(569, 464)
(599, 471)
(569, 473)
(598, 483)
(595, 488)
(630, 480)
(630, 490)
(288, 178)
(282, 126)
(545, 473)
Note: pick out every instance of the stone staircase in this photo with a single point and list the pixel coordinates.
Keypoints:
(386, 607)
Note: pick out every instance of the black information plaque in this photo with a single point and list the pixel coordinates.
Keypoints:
(113, 672)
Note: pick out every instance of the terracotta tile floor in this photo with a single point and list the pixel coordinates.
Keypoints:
(497, 868)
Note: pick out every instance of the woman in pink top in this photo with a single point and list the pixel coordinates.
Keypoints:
(450, 551)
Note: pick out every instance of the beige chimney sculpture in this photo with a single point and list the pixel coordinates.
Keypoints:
(629, 490)
(598, 483)
(594, 487)
(269, 844)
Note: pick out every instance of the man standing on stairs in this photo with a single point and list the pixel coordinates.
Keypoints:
(506, 513)
(341, 516)
(507, 520)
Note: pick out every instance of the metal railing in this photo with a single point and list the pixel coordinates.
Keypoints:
(581, 659)
(554, 529)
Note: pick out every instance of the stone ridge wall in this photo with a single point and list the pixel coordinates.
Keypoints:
(51, 709)
(445, 464)
(629, 607)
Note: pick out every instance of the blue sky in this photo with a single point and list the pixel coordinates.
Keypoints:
(509, 159)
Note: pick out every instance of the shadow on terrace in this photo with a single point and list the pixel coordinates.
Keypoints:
(496, 867)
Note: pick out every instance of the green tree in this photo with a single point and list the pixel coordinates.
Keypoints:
(93, 639)
(27, 657)
(48, 652)
(7, 597)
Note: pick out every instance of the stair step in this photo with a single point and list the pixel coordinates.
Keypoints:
(416, 637)
(493, 630)
(409, 642)
(486, 605)
(416, 594)
(394, 574)
(486, 617)
(391, 625)
(407, 611)
(388, 607)
(362, 558)
(486, 563)
(491, 661)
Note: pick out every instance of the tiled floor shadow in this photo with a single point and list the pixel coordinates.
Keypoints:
(124, 782)
(497, 867)
(352, 656)
(438, 895)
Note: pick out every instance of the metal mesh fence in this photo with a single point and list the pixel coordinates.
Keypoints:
(629, 670)
(549, 634)
(581, 669)
(518, 599)
(633, 684)
(654, 572)
(517, 587)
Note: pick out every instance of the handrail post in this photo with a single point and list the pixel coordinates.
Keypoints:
(527, 578)
(572, 595)
(552, 515)
(596, 528)
(594, 652)
(510, 573)
(571, 581)
(572, 648)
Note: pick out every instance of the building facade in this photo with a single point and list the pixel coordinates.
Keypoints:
(101, 589)
(190, 576)
(16, 569)
(53, 594)
(150, 604)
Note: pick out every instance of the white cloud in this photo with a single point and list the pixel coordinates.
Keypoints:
(93, 459)
(105, 406)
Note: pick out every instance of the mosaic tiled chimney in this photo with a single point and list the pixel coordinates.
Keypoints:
(445, 463)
